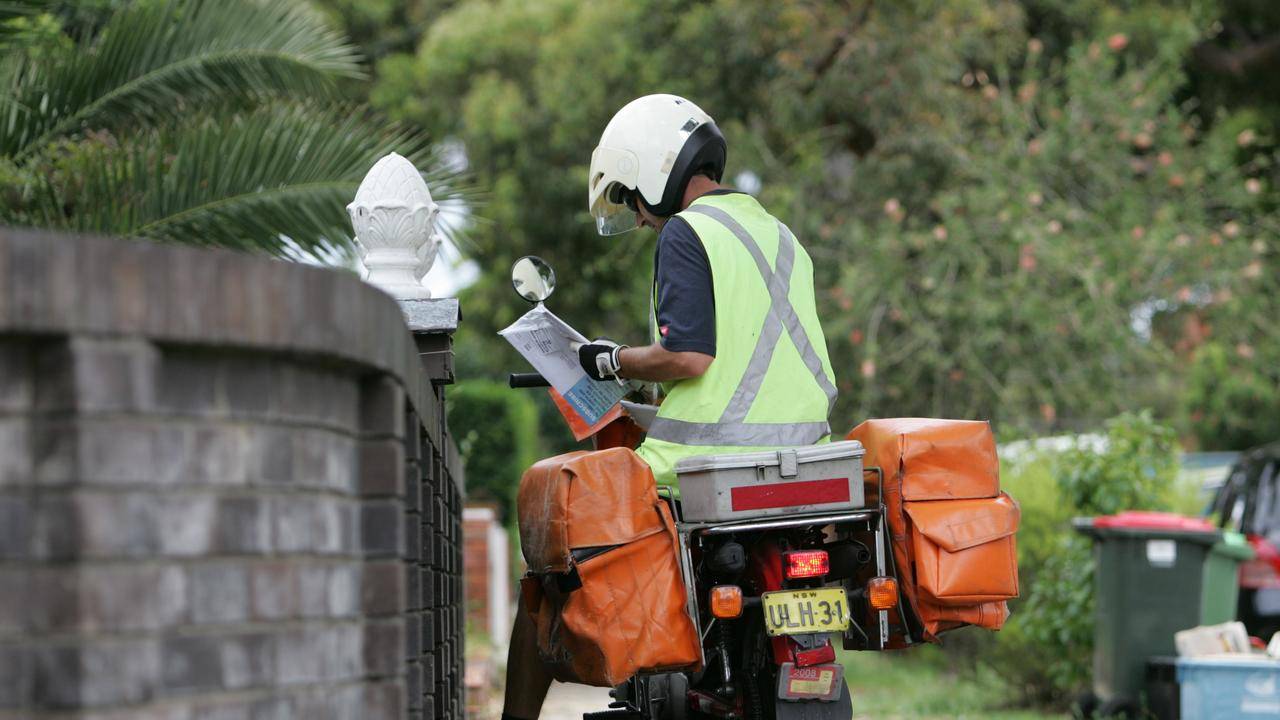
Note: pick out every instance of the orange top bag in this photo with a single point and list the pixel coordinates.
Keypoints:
(604, 586)
(951, 529)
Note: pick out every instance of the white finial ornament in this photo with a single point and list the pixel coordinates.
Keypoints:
(394, 219)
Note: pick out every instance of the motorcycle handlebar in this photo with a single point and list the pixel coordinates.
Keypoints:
(527, 380)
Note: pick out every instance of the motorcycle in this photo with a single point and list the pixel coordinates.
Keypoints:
(770, 594)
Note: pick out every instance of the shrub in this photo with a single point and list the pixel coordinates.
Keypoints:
(1045, 649)
(497, 433)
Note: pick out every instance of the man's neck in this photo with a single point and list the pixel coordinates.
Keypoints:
(698, 186)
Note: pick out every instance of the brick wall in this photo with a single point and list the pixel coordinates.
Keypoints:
(227, 490)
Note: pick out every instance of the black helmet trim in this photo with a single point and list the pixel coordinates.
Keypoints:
(705, 148)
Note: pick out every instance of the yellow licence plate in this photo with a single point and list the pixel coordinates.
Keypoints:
(796, 612)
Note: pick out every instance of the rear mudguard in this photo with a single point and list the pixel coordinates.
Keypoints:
(841, 709)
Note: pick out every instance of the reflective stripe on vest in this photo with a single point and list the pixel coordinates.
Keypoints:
(731, 429)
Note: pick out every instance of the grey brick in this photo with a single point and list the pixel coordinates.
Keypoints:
(271, 459)
(384, 701)
(168, 711)
(413, 635)
(15, 451)
(96, 674)
(243, 525)
(413, 687)
(113, 375)
(192, 664)
(119, 597)
(15, 676)
(249, 383)
(300, 656)
(327, 532)
(277, 708)
(274, 590)
(56, 531)
(219, 592)
(16, 516)
(344, 590)
(350, 527)
(382, 528)
(221, 709)
(55, 451)
(187, 383)
(186, 525)
(384, 645)
(382, 465)
(296, 519)
(52, 599)
(383, 589)
(248, 660)
(313, 595)
(382, 406)
(413, 537)
(344, 652)
(217, 455)
(16, 381)
(117, 451)
(347, 703)
(323, 458)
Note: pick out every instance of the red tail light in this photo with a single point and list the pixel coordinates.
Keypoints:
(1264, 570)
(807, 563)
(1258, 574)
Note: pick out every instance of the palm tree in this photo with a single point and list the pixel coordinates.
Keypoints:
(217, 122)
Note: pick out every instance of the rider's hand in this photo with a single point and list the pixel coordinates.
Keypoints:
(600, 358)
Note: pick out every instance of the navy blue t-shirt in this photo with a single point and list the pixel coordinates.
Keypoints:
(686, 305)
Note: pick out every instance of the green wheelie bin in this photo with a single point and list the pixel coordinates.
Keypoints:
(1154, 574)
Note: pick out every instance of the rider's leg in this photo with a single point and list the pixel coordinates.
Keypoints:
(528, 678)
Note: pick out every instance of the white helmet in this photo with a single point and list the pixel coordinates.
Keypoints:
(651, 148)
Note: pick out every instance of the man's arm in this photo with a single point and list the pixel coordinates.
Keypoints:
(654, 363)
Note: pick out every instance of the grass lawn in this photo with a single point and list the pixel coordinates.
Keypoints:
(916, 684)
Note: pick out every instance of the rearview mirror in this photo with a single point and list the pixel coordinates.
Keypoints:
(533, 278)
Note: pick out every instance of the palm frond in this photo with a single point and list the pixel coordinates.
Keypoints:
(270, 180)
(156, 59)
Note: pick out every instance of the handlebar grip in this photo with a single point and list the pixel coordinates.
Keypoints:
(527, 380)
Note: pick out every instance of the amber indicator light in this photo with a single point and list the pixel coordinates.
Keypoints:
(882, 592)
(726, 601)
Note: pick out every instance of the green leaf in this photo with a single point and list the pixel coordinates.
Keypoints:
(272, 179)
(157, 59)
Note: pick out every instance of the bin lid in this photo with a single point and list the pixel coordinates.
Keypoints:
(1147, 523)
(1150, 520)
(1234, 545)
(1235, 661)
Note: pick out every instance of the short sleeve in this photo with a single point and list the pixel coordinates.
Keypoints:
(685, 308)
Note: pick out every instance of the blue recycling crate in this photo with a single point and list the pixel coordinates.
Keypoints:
(1229, 689)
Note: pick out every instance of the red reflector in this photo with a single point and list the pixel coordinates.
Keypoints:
(789, 494)
(816, 656)
(807, 563)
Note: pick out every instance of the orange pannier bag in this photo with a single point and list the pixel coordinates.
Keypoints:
(604, 587)
(952, 530)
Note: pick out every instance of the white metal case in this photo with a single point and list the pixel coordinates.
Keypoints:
(810, 479)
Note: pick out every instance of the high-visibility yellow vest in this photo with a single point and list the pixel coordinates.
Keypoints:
(771, 383)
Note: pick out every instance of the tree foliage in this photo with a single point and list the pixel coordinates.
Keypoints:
(1024, 210)
(188, 120)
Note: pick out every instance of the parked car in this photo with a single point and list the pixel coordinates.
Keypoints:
(1249, 502)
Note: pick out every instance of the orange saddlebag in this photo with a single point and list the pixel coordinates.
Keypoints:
(952, 529)
(604, 586)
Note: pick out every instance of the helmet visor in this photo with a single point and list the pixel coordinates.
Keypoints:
(612, 218)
